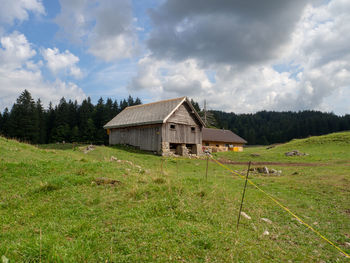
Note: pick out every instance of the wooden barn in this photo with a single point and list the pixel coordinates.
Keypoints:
(164, 127)
(222, 140)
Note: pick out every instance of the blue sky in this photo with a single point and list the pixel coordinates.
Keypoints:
(240, 57)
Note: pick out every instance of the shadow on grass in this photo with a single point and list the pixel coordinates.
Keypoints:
(75, 146)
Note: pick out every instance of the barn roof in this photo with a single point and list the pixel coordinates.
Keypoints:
(218, 135)
(151, 113)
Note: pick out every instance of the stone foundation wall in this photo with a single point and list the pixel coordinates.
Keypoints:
(165, 149)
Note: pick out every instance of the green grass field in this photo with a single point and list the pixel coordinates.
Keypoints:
(51, 210)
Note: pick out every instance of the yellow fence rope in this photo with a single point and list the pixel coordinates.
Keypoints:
(284, 207)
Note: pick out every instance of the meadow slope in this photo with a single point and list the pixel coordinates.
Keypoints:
(51, 209)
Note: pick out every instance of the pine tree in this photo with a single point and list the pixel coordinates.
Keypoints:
(100, 120)
(195, 105)
(115, 108)
(61, 128)
(5, 122)
(137, 101)
(130, 101)
(24, 120)
(42, 122)
(123, 104)
(89, 131)
(86, 123)
(75, 137)
(1, 124)
(50, 122)
(109, 109)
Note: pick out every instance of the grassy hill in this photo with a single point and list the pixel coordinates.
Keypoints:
(331, 148)
(51, 208)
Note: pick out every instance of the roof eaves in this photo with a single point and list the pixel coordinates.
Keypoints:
(195, 112)
(192, 108)
(131, 124)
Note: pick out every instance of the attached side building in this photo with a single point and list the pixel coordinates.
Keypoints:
(222, 140)
(163, 127)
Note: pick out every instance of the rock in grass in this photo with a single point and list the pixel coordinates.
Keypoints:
(266, 233)
(245, 216)
(295, 153)
(266, 220)
(89, 148)
(113, 158)
(263, 170)
(4, 259)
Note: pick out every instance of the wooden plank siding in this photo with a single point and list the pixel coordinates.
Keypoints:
(183, 120)
(146, 137)
(183, 116)
(181, 134)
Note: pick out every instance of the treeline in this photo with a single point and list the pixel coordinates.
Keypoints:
(72, 122)
(68, 121)
(268, 127)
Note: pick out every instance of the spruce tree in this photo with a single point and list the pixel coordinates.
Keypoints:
(195, 105)
(5, 123)
(50, 122)
(1, 124)
(137, 101)
(123, 104)
(130, 101)
(100, 119)
(86, 123)
(24, 119)
(42, 122)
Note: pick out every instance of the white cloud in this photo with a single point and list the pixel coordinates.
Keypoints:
(19, 71)
(62, 62)
(315, 63)
(15, 50)
(105, 27)
(233, 90)
(165, 79)
(11, 10)
(113, 47)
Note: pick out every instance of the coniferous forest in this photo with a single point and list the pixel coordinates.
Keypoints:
(66, 122)
(268, 127)
(83, 123)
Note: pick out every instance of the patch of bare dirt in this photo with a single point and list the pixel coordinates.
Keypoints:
(106, 181)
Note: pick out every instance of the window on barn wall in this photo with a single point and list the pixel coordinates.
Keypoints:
(217, 145)
(193, 129)
(172, 126)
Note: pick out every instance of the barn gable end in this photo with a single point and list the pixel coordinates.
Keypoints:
(184, 115)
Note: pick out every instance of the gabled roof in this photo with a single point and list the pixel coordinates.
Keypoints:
(218, 135)
(151, 113)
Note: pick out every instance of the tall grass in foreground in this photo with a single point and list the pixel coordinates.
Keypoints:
(52, 211)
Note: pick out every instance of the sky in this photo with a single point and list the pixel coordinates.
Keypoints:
(239, 56)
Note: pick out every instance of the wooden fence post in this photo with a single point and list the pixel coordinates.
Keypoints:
(206, 170)
(245, 186)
